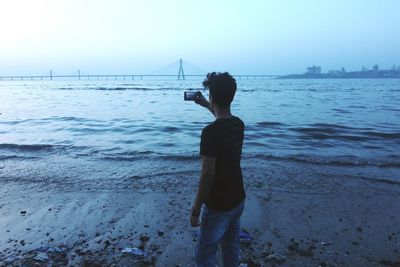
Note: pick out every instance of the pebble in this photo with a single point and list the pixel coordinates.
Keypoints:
(275, 257)
(144, 238)
(160, 233)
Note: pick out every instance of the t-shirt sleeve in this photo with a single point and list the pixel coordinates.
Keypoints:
(208, 144)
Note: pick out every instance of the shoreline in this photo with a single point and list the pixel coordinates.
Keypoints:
(298, 214)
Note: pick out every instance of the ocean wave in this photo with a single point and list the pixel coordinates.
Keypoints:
(170, 129)
(42, 150)
(15, 122)
(334, 126)
(181, 157)
(344, 161)
(341, 110)
(105, 153)
(120, 88)
(23, 151)
(33, 147)
(322, 131)
(316, 129)
(350, 161)
(69, 118)
(49, 120)
(137, 155)
(270, 123)
(322, 136)
(14, 157)
(383, 135)
(184, 173)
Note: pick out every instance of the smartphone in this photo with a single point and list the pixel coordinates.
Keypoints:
(191, 96)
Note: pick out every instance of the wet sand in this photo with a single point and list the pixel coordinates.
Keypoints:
(298, 214)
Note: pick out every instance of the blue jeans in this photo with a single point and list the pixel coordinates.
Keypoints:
(219, 229)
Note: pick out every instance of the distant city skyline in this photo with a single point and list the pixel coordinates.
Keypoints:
(257, 37)
(315, 72)
(319, 68)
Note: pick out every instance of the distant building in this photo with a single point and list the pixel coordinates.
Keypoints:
(335, 73)
(314, 70)
(343, 70)
(364, 69)
(375, 67)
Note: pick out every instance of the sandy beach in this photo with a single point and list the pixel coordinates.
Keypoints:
(297, 214)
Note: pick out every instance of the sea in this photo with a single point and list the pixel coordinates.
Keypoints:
(101, 133)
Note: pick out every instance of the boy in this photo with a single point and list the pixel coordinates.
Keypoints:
(221, 183)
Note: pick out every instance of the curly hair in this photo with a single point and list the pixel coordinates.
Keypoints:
(222, 87)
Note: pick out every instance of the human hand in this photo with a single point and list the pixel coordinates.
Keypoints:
(194, 218)
(201, 100)
(194, 221)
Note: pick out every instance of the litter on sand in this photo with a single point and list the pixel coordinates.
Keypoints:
(134, 251)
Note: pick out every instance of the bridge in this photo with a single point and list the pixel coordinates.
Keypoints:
(161, 73)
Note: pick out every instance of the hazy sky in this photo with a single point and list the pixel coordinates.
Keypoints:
(247, 36)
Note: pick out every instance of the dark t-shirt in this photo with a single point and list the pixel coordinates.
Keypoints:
(223, 140)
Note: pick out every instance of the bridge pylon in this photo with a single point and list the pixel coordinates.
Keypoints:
(181, 74)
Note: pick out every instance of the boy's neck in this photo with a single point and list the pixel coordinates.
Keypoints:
(222, 113)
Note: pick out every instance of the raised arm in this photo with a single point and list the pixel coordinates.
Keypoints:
(202, 101)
